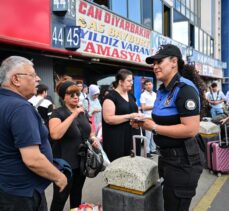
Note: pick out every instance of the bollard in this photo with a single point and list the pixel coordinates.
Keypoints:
(132, 185)
(117, 200)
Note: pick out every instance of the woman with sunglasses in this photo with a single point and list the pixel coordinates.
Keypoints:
(68, 125)
(176, 119)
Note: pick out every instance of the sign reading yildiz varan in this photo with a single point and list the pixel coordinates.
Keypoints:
(106, 35)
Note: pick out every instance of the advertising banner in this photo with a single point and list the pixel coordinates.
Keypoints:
(25, 23)
(106, 35)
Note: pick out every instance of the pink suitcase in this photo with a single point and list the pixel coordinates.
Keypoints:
(218, 155)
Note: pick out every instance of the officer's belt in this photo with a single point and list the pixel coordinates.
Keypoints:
(172, 152)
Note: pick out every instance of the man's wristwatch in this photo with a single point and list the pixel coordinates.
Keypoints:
(154, 129)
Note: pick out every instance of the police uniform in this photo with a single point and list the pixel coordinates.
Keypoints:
(179, 161)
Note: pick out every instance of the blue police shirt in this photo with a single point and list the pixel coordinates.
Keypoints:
(20, 126)
(179, 99)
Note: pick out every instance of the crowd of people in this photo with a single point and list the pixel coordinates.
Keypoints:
(34, 129)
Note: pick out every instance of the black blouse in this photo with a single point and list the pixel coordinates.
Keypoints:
(67, 147)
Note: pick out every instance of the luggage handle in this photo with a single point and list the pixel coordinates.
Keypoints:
(221, 143)
(135, 137)
(226, 136)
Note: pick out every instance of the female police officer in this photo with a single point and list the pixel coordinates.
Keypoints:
(176, 116)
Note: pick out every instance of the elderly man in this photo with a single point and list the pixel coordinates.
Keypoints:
(26, 167)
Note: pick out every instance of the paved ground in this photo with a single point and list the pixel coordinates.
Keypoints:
(92, 191)
(205, 182)
(221, 201)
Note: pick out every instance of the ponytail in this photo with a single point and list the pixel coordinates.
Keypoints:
(190, 72)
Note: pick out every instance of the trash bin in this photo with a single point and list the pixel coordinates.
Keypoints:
(209, 131)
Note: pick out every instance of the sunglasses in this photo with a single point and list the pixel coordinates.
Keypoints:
(72, 95)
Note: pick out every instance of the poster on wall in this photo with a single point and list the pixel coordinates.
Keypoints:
(106, 35)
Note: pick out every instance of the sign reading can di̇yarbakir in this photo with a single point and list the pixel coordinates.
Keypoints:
(104, 34)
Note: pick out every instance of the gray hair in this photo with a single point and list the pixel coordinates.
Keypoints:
(9, 65)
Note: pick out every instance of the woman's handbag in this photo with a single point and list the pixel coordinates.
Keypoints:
(91, 160)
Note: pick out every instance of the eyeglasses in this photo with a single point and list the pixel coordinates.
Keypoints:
(33, 75)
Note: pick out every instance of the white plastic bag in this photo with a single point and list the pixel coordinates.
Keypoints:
(106, 160)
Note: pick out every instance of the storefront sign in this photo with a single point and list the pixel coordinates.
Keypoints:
(104, 34)
(25, 23)
(201, 58)
(210, 71)
(205, 65)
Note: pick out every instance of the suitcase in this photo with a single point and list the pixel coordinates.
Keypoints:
(218, 155)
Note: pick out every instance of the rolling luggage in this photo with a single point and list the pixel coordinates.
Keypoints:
(218, 155)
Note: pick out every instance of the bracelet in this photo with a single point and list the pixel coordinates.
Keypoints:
(154, 129)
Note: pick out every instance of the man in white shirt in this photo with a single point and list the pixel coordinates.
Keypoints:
(43, 106)
(216, 99)
(82, 96)
(147, 102)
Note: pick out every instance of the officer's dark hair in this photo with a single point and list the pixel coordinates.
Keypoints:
(147, 81)
(41, 88)
(121, 76)
(189, 71)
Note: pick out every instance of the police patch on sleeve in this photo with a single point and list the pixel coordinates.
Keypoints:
(190, 105)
